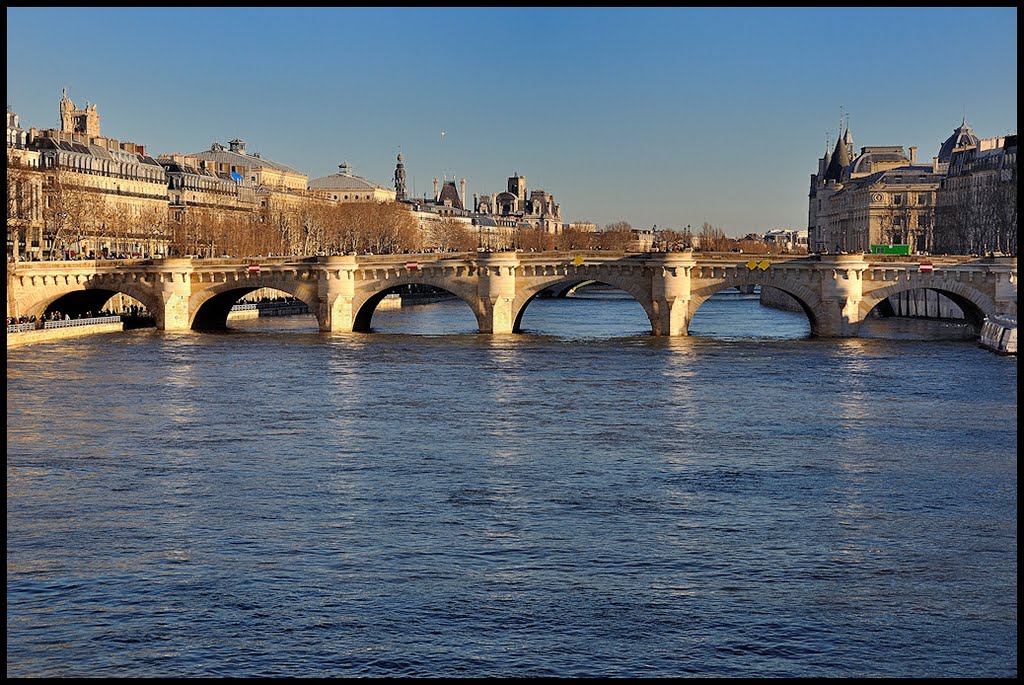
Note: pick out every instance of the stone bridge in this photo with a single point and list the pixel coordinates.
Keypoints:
(835, 291)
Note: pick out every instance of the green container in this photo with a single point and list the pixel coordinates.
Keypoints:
(890, 249)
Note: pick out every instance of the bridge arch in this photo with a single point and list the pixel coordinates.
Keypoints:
(565, 283)
(809, 301)
(974, 304)
(370, 294)
(89, 296)
(209, 308)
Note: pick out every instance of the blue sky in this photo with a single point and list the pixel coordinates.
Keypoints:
(666, 116)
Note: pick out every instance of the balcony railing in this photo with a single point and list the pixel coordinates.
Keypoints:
(69, 323)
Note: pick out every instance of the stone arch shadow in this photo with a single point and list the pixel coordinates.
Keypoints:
(974, 304)
(209, 308)
(809, 301)
(370, 294)
(563, 285)
(92, 297)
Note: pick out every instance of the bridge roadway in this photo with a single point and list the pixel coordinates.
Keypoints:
(835, 291)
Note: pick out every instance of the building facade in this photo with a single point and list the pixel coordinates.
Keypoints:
(977, 198)
(345, 186)
(537, 208)
(100, 196)
(25, 225)
(877, 196)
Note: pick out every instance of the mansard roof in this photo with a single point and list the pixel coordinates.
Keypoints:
(449, 192)
(903, 175)
(217, 153)
(872, 156)
(962, 135)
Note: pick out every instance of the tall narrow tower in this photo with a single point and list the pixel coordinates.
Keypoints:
(73, 120)
(400, 179)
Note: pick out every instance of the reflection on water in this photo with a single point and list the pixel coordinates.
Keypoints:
(581, 499)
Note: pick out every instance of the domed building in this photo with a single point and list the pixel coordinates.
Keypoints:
(345, 186)
(962, 136)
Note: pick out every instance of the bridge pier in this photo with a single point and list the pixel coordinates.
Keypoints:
(173, 285)
(1004, 273)
(496, 288)
(670, 294)
(336, 291)
(842, 289)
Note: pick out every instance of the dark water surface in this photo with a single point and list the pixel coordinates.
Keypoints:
(583, 499)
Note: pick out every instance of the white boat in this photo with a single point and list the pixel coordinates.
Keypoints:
(999, 334)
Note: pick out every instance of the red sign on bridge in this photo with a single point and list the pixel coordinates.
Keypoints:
(926, 267)
(254, 268)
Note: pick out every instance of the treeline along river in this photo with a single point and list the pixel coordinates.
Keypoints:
(581, 499)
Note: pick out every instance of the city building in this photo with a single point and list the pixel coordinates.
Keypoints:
(345, 186)
(879, 196)
(100, 196)
(263, 173)
(538, 210)
(977, 198)
(24, 194)
(194, 183)
(786, 239)
(446, 223)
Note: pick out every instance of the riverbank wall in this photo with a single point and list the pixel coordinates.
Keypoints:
(51, 334)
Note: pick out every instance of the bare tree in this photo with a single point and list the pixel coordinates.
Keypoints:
(615, 236)
(713, 239)
(449, 235)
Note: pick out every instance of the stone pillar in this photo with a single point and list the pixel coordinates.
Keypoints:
(173, 286)
(496, 286)
(842, 289)
(1004, 271)
(670, 292)
(336, 289)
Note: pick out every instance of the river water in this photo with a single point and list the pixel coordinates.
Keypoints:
(580, 500)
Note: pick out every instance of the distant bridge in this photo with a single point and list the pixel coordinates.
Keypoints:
(836, 292)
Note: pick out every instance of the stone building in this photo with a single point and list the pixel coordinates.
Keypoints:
(439, 215)
(100, 196)
(262, 173)
(879, 196)
(73, 120)
(24, 194)
(538, 210)
(977, 198)
(194, 183)
(345, 186)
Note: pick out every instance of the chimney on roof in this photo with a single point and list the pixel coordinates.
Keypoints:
(913, 154)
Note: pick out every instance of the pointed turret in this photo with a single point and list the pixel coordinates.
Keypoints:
(840, 159)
